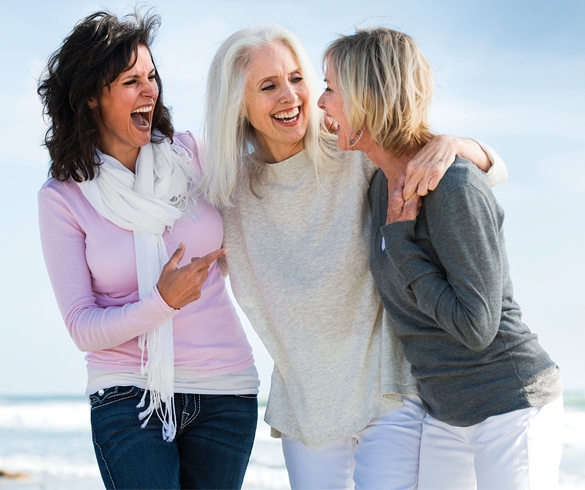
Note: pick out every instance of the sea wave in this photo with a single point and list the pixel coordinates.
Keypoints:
(45, 415)
(574, 400)
(49, 439)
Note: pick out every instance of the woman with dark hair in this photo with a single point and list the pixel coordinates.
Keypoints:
(491, 394)
(161, 335)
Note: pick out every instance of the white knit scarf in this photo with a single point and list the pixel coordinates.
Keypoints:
(147, 202)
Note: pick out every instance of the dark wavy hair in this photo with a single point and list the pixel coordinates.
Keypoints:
(99, 48)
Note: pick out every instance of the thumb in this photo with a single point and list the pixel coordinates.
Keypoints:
(177, 256)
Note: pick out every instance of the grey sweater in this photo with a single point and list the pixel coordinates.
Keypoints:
(444, 280)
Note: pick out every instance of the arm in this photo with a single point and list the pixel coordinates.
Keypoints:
(93, 327)
(427, 168)
(90, 326)
(464, 295)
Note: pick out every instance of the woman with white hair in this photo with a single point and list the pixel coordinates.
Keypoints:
(297, 219)
(491, 393)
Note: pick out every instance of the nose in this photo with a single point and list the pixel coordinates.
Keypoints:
(321, 102)
(287, 94)
(150, 89)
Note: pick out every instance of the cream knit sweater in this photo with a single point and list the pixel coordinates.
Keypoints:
(299, 268)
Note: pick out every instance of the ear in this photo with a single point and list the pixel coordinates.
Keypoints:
(92, 102)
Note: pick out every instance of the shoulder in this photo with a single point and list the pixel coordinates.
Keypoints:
(192, 144)
(54, 189)
(462, 177)
(61, 198)
(355, 163)
(187, 140)
(463, 192)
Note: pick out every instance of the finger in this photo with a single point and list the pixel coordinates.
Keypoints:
(433, 183)
(330, 124)
(207, 260)
(177, 256)
(411, 207)
(423, 187)
(199, 277)
(412, 181)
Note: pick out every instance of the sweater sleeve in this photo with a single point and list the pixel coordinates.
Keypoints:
(464, 294)
(498, 173)
(91, 327)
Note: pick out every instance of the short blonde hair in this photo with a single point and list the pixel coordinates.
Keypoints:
(232, 147)
(386, 84)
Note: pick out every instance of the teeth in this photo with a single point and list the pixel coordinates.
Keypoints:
(287, 115)
(142, 109)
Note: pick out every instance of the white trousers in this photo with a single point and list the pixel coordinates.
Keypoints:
(519, 450)
(384, 454)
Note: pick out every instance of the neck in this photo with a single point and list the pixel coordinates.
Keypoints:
(279, 153)
(392, 165)
(126, 158)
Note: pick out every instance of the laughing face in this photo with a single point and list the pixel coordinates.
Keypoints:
(277, 101)
(332, 103)
(125, 110)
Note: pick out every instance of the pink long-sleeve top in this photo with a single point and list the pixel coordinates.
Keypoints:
(92, 267)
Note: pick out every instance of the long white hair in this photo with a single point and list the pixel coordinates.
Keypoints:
(232, 148)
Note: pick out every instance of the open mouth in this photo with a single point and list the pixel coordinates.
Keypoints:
(288, 116)
(141, 117)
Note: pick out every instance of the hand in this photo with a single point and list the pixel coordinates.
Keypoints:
(179, 286)
(398, 208)
(330, 124)
(426, 169)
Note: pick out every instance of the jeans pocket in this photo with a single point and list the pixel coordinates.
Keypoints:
(111, 395)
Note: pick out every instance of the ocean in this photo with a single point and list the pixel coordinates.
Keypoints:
(47, 440)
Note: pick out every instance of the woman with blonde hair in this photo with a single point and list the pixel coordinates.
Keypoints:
(491, 393)
(297, 221)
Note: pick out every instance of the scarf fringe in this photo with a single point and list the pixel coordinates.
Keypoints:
(165, 411)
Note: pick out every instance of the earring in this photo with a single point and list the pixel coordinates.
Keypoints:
(354, 139)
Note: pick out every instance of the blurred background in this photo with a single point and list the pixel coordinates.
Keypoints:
(508, 73)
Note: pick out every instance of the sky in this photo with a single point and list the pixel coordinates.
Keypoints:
(510, 74)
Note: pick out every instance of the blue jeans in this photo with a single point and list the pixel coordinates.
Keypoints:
(212, 447)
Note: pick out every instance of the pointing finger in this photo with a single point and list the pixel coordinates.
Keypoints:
(208, 259)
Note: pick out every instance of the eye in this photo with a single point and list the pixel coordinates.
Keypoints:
(267, 86)
(296, 78)
(327, 89)
(130, 82)
(152, 77)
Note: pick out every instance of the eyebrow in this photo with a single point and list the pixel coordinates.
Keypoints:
(135, 75)
(298, 70)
